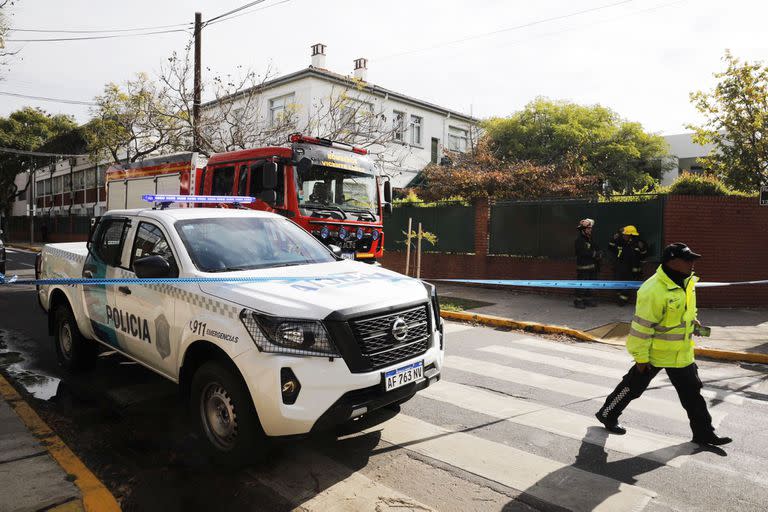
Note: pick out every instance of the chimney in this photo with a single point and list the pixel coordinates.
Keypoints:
(361, 69)
(318, 55)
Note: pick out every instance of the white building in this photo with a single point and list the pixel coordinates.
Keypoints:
(684, 154)
(419, 132)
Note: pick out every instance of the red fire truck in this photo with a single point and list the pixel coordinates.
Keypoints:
(329, 188)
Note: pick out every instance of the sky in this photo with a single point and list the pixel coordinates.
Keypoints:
(486, 58)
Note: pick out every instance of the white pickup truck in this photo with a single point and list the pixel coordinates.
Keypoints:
(260, 359)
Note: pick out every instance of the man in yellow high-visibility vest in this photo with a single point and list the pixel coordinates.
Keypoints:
(661, 337)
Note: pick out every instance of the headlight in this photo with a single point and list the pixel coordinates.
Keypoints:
(325, 232)
(288, 335)
(342, 233)
(359, 233)
(375, 234)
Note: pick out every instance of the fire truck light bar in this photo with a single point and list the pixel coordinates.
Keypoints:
(157, 198)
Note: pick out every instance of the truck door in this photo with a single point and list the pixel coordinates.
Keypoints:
(147, 311)
(104, 259)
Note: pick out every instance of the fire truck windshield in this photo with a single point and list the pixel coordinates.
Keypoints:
(351, 191)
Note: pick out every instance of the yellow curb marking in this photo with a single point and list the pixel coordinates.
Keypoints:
(96, 497)
(497, 321)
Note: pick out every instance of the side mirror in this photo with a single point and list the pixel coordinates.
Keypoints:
(268, 196)
(269, 175)
(388, 208)
(336, 250)
(387, 192)
(152, 267)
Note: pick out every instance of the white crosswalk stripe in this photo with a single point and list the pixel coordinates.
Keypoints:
(551, 481)
(664, 449)
(603, 371)
(585, 391)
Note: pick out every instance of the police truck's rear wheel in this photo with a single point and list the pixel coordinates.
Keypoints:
(225, 414)
(74, 352)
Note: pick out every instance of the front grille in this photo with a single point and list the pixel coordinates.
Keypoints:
(377, 343)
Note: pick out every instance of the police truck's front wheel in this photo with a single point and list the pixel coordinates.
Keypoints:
(73, 351)
(225, 415)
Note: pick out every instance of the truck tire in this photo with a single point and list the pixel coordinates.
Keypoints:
(74, 352)
(226, 418)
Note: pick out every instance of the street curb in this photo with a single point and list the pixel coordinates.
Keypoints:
(95, 496)
(497, 321)
(24, 247)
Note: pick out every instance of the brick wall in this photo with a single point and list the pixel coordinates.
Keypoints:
(731, 234)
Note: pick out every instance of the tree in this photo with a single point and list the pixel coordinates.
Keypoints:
(26, 130)
(736, 113)
(482, 175)
(135, 120)
(592, 138)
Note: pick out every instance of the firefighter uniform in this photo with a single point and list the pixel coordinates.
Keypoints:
(629, 252)
(587, 262)
(661, 335)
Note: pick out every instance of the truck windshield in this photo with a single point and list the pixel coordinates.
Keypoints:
(325, 186)
(226, 245)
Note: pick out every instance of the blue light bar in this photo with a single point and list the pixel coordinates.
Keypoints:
(159, 198)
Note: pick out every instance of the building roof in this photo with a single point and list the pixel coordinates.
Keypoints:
(347, 81)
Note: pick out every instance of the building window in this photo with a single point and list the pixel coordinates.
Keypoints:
(279, 110)
(357, 117)
(90, 178)
(67, 183)
(57, 182)
(458, 139)
(416, 122)
(398, 125)
(100, 175)
(78, 181)
(435, 149)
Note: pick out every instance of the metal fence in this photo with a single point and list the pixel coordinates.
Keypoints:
(548, 228)
(452, 223)
(48, 228)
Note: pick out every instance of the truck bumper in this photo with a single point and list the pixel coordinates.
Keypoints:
(330, 394)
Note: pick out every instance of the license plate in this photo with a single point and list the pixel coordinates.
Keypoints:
(405, 375)
(348, 255)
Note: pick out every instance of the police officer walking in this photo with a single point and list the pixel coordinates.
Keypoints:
(661, 337)
(587, 262)
(629, 251)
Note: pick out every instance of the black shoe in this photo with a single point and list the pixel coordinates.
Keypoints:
(713, 440)
(612, 427)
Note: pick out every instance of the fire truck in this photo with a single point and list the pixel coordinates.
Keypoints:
(329, 188)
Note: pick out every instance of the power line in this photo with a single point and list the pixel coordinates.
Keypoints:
(36, 153)
(248, 12)
(99, 31)
(87, 38)
(508, 29)
(44, 98)
(233, 11)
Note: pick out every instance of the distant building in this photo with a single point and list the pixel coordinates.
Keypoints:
(423, 130)
(684, 154)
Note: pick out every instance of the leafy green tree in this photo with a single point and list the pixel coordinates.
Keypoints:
(592, 138)
(26, 130)
(736, 114)
(135, 120)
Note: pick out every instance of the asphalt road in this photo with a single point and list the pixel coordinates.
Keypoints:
(18, 259)
(510, 427)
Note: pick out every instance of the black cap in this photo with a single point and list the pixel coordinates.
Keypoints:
(678, 250)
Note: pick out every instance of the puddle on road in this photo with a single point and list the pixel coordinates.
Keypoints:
(12, 361)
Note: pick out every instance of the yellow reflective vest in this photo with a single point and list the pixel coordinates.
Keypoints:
(662, 328)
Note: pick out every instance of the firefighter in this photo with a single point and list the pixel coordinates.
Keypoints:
(587, 262)
(629, 251)
(661, 337)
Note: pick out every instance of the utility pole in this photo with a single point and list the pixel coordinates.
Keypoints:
(196, 100)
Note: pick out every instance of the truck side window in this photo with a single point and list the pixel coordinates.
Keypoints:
(242, 187)
(109, 245)
(150, 241)
(223, 181)
(257, 187)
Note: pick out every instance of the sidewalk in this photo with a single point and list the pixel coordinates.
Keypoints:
(740, 330)
(37, 470)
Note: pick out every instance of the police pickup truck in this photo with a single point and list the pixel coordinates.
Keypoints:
(311, 341)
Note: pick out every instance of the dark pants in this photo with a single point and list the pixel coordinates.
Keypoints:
(583, 295)
(625, 274)
(687, 384)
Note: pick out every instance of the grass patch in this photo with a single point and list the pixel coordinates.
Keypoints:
(457, 304)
